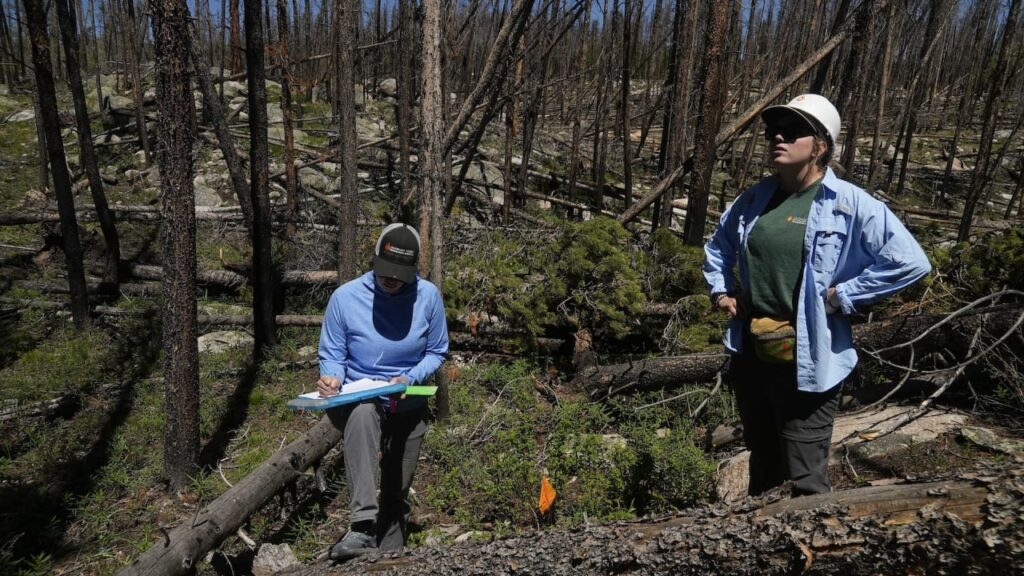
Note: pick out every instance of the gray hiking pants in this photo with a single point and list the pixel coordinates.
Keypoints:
(389, 443)
(788, 432)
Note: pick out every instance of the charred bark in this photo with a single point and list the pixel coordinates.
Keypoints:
(47, 98)
(225, 141)
(181, 358)
(346, 14)
(964, 524)
(87, 154)
(262, 259)
(708, 122)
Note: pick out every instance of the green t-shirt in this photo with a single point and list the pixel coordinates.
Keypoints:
(775, 253)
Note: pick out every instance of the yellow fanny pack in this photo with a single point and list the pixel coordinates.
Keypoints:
(774, 340)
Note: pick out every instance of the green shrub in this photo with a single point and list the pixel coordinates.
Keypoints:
(586, 276)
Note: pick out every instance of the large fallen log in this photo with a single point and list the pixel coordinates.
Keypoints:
(969, 524)
(673, 371)
(178, 551)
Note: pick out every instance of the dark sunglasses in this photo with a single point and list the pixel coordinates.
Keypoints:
(790, 132)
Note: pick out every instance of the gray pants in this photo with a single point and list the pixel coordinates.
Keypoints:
(375, 440)
(787, 431)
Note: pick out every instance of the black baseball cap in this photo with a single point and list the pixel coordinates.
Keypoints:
(397, 252)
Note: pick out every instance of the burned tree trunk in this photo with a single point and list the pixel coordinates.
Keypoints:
(406, 90)
(181, 358)
(236, 36)
(47, 97)
(262, 259)
(226, 142)
(981, 169)
(129, 26)
(964, 524)
(286, 113)
(676, 371)
(87, 154)
(707, 124)
(346, 15)
(180, 550)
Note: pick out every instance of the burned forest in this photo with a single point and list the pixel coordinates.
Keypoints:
(555, 225)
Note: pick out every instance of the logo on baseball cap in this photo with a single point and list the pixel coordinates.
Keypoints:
(397, 251)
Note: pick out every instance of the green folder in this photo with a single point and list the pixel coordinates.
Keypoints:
(420, 390)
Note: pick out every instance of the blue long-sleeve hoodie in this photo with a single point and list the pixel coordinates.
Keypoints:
(368, 333)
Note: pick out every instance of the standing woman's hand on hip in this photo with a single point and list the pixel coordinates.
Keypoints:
(731, 305)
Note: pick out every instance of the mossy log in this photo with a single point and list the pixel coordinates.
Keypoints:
(674, 371)
(179, 550)
(964, 525)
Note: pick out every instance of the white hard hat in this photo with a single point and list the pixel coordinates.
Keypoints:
(814, 108)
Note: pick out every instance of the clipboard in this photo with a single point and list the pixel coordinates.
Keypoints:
(313, 401)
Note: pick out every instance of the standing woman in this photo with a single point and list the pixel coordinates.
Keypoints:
(389, 325)
(811, 249)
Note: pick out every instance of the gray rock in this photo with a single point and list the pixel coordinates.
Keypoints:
(388, 87)
(237, 103)
(273, 558)
(118, 102)
(233, 88)
(205, 195)
(140, 159)
(1001, 134)
(988, 439)
(274, 113)
(472, 535)
(314, 179)
(306, 353)
(216, 342)
(22, 116)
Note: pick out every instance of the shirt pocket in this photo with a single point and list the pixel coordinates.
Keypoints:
(828, 246)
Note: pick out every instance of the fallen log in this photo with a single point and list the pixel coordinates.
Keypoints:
(179, 550)
(673, 371)
(966, 524)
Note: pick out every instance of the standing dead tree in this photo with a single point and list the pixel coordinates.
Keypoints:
(47, 97)
(346, 16)
(751, 112)
(181, 358)
(87, 153)
(981, 168)
(708, 121)
(262, 258)
(225, 141)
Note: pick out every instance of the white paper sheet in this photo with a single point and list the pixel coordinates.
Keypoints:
(358, 386)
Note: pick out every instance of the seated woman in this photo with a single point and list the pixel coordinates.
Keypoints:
(387, 325)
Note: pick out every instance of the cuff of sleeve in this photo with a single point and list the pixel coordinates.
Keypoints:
(331, 369)
(844, 300)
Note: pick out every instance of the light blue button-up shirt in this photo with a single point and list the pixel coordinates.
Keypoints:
(853, 242)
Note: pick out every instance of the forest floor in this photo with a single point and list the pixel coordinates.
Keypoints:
(81, 413)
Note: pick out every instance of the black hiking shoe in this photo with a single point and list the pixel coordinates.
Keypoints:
(355, 543)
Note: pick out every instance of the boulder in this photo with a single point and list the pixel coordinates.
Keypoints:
(388, 87)
(864, 436)
(273, 558)
(22, 116)
(216, 342)
(118, 102)
(233, 88)
(274, 113)
(236, 103)
(314, 179)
